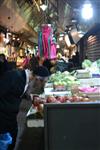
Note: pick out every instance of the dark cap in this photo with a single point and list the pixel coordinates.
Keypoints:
(41, 71)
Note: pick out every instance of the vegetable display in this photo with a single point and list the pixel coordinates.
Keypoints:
(63, 79)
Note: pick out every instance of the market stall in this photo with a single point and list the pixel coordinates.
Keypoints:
(66, 115)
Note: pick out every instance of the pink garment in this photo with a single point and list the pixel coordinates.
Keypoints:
(25, 63)
(89, 89)
(46, 37)
(53, 51)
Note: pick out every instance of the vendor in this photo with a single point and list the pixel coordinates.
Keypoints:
(13, 85)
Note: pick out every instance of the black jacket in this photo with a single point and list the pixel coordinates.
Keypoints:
(12, 85)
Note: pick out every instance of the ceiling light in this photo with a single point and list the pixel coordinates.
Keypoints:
(43, 4)
(74, 20)
(18, 39)
(43, 7)
(58, 46)
(87, 11)
(60, 38)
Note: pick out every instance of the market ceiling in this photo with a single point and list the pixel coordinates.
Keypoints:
(21, 17)
(25, 16)
(70, 11)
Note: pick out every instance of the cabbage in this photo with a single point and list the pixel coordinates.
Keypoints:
(63, 79)
(86, 64)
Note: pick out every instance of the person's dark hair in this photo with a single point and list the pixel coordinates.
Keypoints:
(47, 64)
(3, 64)
(41, 71)
(86, 57)
(34, 63)
(2, 57)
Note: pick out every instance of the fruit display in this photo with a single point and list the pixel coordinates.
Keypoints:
(38, 102)
(62, 82)
(59, 99)
(66, 99)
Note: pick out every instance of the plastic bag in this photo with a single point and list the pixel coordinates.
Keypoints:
(5, 140)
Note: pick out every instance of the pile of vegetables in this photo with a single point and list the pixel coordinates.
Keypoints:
(63, 79)
(91, 65)
(86, 64)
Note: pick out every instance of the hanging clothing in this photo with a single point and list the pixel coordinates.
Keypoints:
(47, 48)
(40, 45)
(53, 51)
(46, 33)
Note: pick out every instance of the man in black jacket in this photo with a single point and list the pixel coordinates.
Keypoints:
(13, 85)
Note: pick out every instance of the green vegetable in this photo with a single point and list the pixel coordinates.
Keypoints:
(86, 64)
(64, 78)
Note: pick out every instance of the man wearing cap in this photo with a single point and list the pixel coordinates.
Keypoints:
(13, 84)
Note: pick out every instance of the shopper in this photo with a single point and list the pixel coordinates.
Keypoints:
(4, 66)
(13, 85)
(33, 63)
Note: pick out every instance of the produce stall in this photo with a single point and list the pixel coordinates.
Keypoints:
(72, 122)
(69, 112)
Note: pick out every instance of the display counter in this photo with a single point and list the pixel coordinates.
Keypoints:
(90, 82)
(72, 126)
